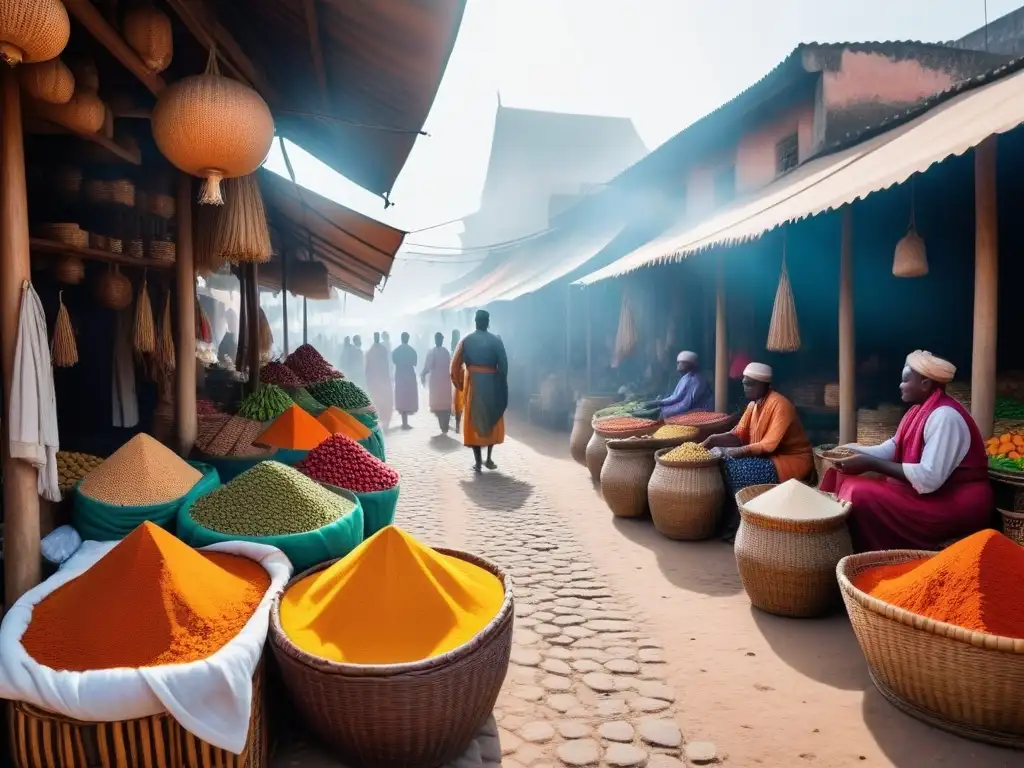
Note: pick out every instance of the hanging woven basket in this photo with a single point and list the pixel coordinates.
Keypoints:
(70, 270)
(144, 332)
(911, 259)
(64, 349)
(114, 290)
(165, 339)
(32, 30)
(212, 127)
(148, 32)
(83, 113)
(784, 331)
(50, 81)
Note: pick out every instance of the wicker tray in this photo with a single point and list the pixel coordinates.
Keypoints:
(623, 434)
(423, 713)
(947, 676)
(1013, 525)
(41, 739)
(825, 457)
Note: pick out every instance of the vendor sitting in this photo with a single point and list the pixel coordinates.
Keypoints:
(693, 392)
(767, 446)
(936, 486)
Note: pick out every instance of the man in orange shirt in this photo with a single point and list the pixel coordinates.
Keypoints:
(769, 444)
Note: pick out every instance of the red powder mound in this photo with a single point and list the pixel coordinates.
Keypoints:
(974, 584)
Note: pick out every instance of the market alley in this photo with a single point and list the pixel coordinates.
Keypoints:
(633, 650)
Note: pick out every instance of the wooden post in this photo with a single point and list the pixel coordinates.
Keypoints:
(185, 344)
(21, 499)
(986, 287)
(721, 345)
(590, 369)
(847, 336)
(284, 299)
(253, 350)
(305, 322)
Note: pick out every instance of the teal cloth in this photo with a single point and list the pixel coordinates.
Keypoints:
(378, 510)
(290, 456)
(99, 521)
(305, 550)
(374, 443)
(230, 467)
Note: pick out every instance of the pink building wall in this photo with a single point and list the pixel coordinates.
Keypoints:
(875, 78)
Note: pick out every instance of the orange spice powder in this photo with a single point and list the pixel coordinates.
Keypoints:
(295, 429)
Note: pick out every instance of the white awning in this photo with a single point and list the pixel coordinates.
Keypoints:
(950, 128)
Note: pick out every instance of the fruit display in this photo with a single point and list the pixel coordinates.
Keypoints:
(73, 466)
(1006, 452)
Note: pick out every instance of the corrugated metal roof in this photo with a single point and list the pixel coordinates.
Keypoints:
(953, 123)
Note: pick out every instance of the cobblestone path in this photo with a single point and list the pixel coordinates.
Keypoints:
(587, 684)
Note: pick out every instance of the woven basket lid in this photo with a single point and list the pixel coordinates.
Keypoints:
(32, 30)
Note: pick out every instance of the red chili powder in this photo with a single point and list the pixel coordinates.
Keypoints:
(974, 584)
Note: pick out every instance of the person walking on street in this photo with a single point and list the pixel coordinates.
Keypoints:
(437, 369)
(407, 395)
(378, 380)
(483, 383)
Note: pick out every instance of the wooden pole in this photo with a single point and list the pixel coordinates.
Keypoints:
(21, 499)
(185, 279)
(721, 345)
(590, 353)
(284, 299)
(305, 322)
(986, 287)
(253, 350)
(847, 336)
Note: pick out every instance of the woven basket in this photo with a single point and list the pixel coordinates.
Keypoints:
(624, 477)
(832, 395)
(148, 31)
(114, 290)
(41, 739)
(825, 457)
(70, 270)
(808, 393)
(582, 429)
(134, 248)
(164, 206)
(788, 566)
(624, 433)
(113, 245)
(875, 426)
(1013, 525)
(122, 192)
(68, 182)
(84, 113)
(68, 233)
(597, 451)
(685, 497)
(33, 31)
(162, 250)
(947, 676)
(50, 81)
(422, 713)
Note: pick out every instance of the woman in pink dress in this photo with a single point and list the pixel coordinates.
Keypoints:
(407, 393)
(437, 376)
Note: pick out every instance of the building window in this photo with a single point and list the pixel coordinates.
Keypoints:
(725, 185)
(787, 154)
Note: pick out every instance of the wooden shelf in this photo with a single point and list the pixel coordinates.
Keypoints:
(37, 126)
(54, 248)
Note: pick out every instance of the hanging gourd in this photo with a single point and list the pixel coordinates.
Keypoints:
(911, 259)
(50, 81)
(64, 349)
(114, 290)
(84, 113)
(143, 333)
(148, 32)
(212, 127)
(32, 30)
(784, 331)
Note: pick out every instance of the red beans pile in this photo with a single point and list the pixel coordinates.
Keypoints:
(343, 462)
(623, 424)
(695, 418)
(279, 374)
(310, 366)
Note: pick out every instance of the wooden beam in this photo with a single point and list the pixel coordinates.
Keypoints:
(185, 344)
(317, 50)
(55, 248)
(847, 337)
(21, 499)
(986, 287)
(90, 17)
(721, 344)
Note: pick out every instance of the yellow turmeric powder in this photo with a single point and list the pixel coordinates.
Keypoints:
(391, 600)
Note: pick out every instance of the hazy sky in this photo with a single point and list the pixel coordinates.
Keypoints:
(663, 63)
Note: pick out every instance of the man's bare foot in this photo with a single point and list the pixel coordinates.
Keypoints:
(490, 464)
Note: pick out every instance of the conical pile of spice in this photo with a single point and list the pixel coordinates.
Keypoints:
(151, 600)
(295, 429)
(412, 603)
(338, 422)
(140, 473)
(974, 584)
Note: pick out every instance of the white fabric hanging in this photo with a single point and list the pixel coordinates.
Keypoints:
(33, 415)
(125, 398)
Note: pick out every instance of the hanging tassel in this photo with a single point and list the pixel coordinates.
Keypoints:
(242, 235)
(165, 341)
(64, 350)
(784, 332)
(144, 334)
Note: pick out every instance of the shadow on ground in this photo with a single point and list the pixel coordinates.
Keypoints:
(445, 444)
(495, 491)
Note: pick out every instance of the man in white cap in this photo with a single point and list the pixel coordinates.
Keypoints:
(768, 445)
(693, 392)
(935, 486)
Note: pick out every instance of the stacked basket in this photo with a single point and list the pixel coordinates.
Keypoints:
(625, 474)
(582, 429)
(875, 426)
(686, 497)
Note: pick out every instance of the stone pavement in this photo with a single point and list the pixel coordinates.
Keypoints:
(587, 685)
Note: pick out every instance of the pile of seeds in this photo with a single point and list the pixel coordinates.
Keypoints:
(343, 462)
(270, 499)
(618, 409)
(310, 366)
(72, 467)
(341, 393)
(688, 452)
(624, 424)
(675, 432)
(265, 404)
(306, 401)
(279, 374)
(140, 473)
(695, 418)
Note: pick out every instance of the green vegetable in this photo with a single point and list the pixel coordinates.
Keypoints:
(307, 402)
(341, 393)
(265, 404)
(1008, 408)
(618, 409)
(1006, 464)
(270, 499)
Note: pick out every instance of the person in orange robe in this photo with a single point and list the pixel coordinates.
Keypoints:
(768, 445)
(458, 398)
(480, 373)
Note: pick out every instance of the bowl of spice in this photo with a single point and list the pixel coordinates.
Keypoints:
(943, 633)
(416, 676)
(275, 504)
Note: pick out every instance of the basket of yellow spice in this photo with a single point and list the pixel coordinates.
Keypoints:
(135, 653)
(396, 653)
(686, 492)
(943, 633)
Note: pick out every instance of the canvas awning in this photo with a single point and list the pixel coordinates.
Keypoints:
(952, 127)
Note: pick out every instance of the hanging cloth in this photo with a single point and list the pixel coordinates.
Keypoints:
(33, 416)
(125, 398)
(784, 332)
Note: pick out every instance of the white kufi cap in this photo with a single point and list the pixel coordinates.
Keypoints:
(686, 357)
(758, 372)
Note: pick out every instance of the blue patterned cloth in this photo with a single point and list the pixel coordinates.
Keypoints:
(742, 473)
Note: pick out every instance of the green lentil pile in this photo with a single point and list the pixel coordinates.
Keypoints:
(270, 499)
(341, 393)
(306, 401)
(265, 404)
(618, 409)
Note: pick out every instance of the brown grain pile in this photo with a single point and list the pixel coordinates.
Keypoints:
(141, 472)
